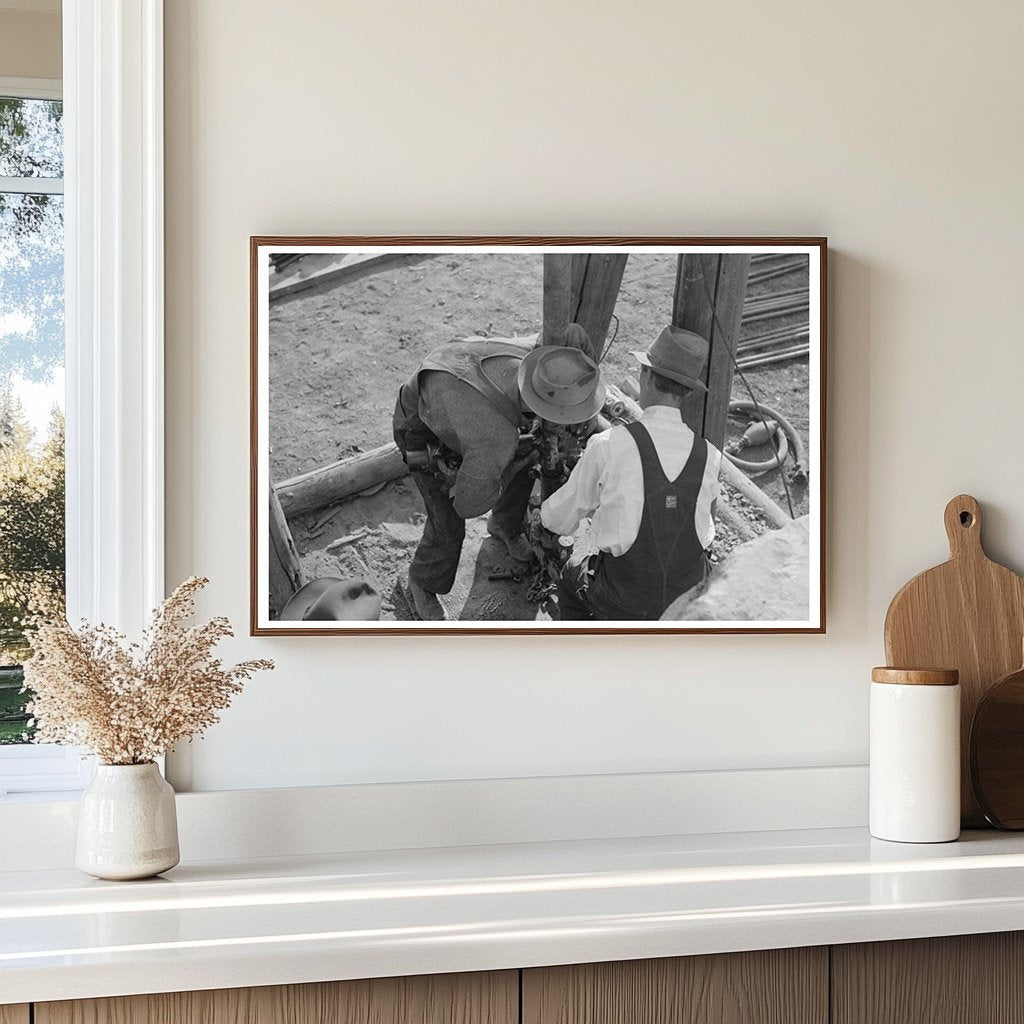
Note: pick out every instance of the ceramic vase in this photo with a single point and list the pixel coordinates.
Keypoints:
(127, 825)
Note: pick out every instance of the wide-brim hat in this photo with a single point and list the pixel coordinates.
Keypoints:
(330, 599)
(561, 384)
(679, 355)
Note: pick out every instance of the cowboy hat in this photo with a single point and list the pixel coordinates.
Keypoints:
(561, 384)
(332, 600)
(679, 355)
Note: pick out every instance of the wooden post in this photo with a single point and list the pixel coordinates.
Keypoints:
(710, 289)
(596, 278)
(285, 572)
(557, 290)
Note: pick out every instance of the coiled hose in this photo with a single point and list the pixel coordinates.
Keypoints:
(786, 438)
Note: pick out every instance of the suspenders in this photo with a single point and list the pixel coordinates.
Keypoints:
(667, 557)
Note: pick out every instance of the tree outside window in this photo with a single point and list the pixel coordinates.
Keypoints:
(32, 542)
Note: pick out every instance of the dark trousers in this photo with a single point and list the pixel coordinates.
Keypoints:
(436, 561)
(577, 599)
(575, 603)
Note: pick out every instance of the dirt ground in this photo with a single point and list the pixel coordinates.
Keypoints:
(339, 353)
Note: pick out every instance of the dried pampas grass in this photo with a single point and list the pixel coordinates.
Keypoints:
(129, 703)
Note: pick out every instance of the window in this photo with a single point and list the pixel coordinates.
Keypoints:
(32, 531)
(31, 383)
(112, 208)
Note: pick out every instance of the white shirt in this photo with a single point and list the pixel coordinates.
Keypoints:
(607, 483)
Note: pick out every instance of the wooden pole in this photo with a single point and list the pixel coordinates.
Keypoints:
(285, 571)
(343, 479)
(710, 290)
(557, 291)
(596, 278)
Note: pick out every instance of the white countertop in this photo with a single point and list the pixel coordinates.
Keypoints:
(298, 919)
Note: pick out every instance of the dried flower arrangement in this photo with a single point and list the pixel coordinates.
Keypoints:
(130, 703)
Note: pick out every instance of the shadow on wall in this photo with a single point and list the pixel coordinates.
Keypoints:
(853, 286)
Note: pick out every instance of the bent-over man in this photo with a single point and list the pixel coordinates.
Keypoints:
(649, 488)
(475, 397)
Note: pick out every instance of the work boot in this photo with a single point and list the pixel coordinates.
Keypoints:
(518, 546)
(424, 603)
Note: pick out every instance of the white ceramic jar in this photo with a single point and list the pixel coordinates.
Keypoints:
(915, 755)
(127, 823)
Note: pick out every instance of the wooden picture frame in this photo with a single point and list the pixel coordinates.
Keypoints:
(592, 269)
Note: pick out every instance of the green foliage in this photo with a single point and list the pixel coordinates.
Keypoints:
(14, 719)
(31, 525)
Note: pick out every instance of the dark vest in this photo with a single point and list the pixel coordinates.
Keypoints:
(465, 361)
(667, 558)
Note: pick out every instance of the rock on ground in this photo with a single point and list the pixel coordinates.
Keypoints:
(764, 579)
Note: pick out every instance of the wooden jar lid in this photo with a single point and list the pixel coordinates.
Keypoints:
(916, 676)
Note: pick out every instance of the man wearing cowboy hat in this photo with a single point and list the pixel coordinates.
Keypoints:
(649, 488)
(475, 396)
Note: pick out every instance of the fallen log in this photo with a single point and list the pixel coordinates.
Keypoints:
(739, 481)
(615, 396)
(729, 515)
(343, 479)
(285, 571)
(328, 269)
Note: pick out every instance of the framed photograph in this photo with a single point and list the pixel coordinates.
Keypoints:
(537, 435)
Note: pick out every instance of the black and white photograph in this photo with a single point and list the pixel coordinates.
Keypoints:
(537, 435)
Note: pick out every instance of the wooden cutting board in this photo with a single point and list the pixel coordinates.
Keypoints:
(967, 614)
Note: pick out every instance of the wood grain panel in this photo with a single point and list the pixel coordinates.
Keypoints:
(779, 986)
(967, 614)
(962, 979)
(14, 1014)
(483, 998)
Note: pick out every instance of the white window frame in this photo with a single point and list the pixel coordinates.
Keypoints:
(114, 265)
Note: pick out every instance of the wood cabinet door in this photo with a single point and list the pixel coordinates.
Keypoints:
(777, 986)
(960, 979)
(482, 998)
(14, 1014)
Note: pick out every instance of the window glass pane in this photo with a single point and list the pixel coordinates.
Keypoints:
(31, 432)
(31, 138)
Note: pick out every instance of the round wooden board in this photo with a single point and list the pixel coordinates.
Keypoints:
(997, 752)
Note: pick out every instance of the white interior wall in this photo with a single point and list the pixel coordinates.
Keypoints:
(895, 129)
